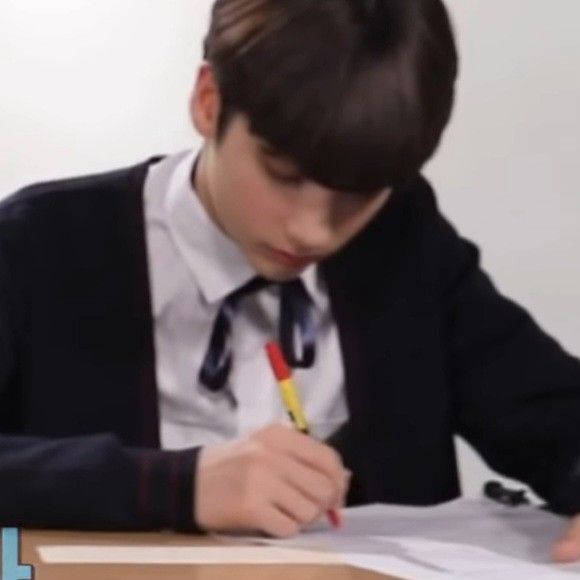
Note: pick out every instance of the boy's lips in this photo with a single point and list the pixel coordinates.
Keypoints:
(293, 260)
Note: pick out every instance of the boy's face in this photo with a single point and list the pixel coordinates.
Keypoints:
(281, 222)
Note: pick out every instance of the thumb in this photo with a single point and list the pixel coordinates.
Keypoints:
(567, 548)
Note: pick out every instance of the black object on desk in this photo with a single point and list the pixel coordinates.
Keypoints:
(495, 491)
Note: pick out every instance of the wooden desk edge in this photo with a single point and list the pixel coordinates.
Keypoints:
(32, 539)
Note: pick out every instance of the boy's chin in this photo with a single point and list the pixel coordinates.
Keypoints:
(274, 271)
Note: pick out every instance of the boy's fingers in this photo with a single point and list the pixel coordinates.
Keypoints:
(296, 505)
(347, 480)
(567, 548)
(305, 449)
(274, 522)
(311, 483)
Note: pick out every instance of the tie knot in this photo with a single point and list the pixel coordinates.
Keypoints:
(295, 287)
(291, 289)
(252, 286)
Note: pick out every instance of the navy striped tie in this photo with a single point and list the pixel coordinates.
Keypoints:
(297, 331)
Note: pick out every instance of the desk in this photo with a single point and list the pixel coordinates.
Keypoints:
(32, 538)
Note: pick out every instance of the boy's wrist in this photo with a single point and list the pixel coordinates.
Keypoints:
(166, 489)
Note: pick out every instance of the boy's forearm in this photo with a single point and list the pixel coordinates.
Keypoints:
(94, 482)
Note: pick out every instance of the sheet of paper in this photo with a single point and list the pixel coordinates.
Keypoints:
(440, 560)
(394, 566)
(461, 539)
(183, 555)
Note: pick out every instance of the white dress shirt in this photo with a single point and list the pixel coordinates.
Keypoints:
(193, 266)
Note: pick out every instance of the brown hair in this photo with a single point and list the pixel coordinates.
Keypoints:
(357, 93)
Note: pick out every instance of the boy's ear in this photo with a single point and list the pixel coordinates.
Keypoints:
(205, 102)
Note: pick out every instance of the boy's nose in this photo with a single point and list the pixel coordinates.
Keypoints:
(310, 235)
(310, 227)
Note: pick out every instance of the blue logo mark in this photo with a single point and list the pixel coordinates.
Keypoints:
(11, 567)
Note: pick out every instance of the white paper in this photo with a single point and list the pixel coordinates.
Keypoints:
(443, 560)
(463, 539)
(394, 566)
(168, 555)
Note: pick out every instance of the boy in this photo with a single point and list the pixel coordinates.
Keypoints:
(134, 305)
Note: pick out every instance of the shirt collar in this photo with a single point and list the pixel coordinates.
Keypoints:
(217, 264)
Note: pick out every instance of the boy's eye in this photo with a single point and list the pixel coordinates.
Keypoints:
(287, 178)
(277, 167)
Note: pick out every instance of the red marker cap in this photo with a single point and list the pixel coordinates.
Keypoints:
(277, 361)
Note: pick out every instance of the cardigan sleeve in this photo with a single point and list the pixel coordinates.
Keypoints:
(87, 482)
(94, 482)
(516, 390)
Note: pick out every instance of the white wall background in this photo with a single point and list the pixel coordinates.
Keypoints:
(87, 86)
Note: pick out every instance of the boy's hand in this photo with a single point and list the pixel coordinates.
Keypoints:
(567, 549)
(276, 481)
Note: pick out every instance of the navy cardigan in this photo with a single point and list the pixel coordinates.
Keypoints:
(430, 349)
